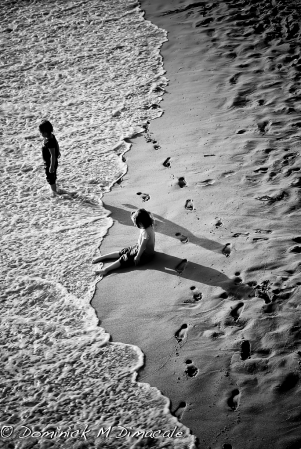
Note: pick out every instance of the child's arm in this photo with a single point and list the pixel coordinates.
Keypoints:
(52, 160)
(140, 251)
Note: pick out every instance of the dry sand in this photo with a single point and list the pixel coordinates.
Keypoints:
(217, 312)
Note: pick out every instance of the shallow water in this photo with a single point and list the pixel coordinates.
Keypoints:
(94, 70)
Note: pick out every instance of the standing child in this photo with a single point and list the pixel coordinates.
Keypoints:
(137, 254)
(50, 153)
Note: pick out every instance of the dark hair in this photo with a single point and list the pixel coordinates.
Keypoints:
(142, 218)
(45, 127)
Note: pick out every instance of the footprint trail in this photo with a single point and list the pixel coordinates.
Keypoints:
(144, 196)
(189, 205)
(234, 399)
(181, 333)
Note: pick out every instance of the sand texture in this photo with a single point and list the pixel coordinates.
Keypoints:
(217, 313)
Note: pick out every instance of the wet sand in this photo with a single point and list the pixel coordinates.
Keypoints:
(217, 312)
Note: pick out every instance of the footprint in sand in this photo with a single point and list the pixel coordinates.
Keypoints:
(224, 295)
(144, 196)
(191, 370)
(292, 170)
(239, 234)
(180, 410)
(289, 159)
(297, 239)
(183, 238)
(166, 163)
(206, 183)
(245, 350)
(189, 205)
(234, 78)
(181, 182)
(296, 250)
(237, 280)
(219, 223)
(181, 266)
(271, 199)
(236, 311)
(262, 125)
(269, 150)
(197, 296)
(181, 333)
(234, 399)
(227, 249)
(240, 100)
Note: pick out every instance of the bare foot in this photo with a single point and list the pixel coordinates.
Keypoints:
(54, 194)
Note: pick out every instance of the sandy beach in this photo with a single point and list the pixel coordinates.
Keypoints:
(200, 348)
(217, 312)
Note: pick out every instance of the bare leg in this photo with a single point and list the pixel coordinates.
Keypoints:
(111, 267)
(114, 255)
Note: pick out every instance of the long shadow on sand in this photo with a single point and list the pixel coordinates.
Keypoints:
(164, 226)
(197, 273)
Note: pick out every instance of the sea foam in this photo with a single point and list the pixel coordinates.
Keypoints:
(93, 69)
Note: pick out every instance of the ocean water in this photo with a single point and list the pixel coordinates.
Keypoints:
(93, 68)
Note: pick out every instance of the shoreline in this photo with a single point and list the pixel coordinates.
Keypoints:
(98, 74)
(214, 314)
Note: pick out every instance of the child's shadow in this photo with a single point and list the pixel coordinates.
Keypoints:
(200, 273)
(166, 227)
(197, 273)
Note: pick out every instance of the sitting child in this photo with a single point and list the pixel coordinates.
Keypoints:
(137, 254)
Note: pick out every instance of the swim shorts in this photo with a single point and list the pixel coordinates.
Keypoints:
(51, 177)
(127, 256)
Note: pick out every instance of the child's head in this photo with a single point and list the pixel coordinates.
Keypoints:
(142, 219)
(45, 128)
